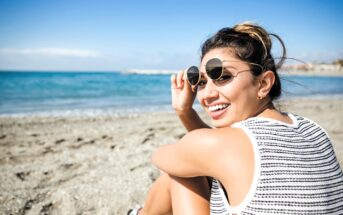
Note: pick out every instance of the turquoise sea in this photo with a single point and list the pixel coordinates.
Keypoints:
(116, 92)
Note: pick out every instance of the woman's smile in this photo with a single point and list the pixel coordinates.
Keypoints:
(217, 110)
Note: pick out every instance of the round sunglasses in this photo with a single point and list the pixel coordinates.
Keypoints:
(214, 69)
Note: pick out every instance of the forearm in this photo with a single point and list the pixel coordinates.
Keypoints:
(191, 120)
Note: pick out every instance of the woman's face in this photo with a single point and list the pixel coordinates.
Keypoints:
(228, 100)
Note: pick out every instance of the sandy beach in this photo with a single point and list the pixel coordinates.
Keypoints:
(101, 165)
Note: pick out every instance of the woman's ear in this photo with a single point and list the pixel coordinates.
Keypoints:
(267, 81)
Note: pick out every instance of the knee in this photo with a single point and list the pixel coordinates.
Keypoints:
(190, 195)
(198, 185)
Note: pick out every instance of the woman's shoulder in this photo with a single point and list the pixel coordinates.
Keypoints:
(224, 148)
(204, 152)
(217, 135)
(226, 141)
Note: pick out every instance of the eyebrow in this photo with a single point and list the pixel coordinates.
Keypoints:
(230, 66)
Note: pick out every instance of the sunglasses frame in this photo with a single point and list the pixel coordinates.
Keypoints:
(222, 70)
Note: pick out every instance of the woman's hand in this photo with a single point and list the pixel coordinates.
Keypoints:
(183, 94)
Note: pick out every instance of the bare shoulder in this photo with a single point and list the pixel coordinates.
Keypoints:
(219, 137)
(225, 148)
(204, 152)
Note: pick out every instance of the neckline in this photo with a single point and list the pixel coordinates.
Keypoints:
(294, 123)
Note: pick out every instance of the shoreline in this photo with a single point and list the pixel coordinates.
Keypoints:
(117, 113)
(101, 164)
(317, 73)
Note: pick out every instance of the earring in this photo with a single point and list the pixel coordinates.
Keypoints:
(259, 97)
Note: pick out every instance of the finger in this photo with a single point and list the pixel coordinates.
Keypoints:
(179, 79)
(194, 89)
(184, 75)
(188, 85)
(173, 81)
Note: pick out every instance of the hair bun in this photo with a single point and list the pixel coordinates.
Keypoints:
(256, 32)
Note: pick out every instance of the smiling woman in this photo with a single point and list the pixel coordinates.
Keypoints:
(255, 159)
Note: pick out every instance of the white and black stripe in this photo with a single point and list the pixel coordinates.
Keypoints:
(297, 171)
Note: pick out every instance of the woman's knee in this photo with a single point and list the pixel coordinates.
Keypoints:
(197, 185)
(190, 195)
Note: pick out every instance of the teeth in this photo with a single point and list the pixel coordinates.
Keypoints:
(217, 107)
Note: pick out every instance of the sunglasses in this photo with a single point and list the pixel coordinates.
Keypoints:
(214, 70)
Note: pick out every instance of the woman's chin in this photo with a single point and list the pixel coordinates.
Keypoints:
(221, 123)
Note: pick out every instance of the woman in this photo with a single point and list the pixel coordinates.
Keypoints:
(256, 159)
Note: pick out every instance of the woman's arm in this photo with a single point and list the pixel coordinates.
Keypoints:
(183, 96)
(185, 158)
(204, 152)
(191, 120)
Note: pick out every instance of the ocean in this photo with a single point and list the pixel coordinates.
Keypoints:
(89, 93)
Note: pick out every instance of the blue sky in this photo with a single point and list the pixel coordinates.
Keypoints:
(103, 35)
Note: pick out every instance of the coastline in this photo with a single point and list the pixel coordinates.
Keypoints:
(100, 164)
(314, 69)
(320, 73)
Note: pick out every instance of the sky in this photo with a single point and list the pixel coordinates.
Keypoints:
(104, 35)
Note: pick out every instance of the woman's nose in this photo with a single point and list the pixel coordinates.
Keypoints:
(210, 90)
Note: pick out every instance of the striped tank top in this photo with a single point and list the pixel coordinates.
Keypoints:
(296, 171)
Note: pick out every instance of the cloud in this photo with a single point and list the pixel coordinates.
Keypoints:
(82, 53)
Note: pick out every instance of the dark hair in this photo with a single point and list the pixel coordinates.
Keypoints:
(250, 43)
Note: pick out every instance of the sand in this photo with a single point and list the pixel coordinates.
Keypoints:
(101, 164)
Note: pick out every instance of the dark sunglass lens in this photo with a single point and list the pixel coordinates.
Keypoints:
(214, 68)
(193, 75)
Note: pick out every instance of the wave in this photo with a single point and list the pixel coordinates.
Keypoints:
(90, 112)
